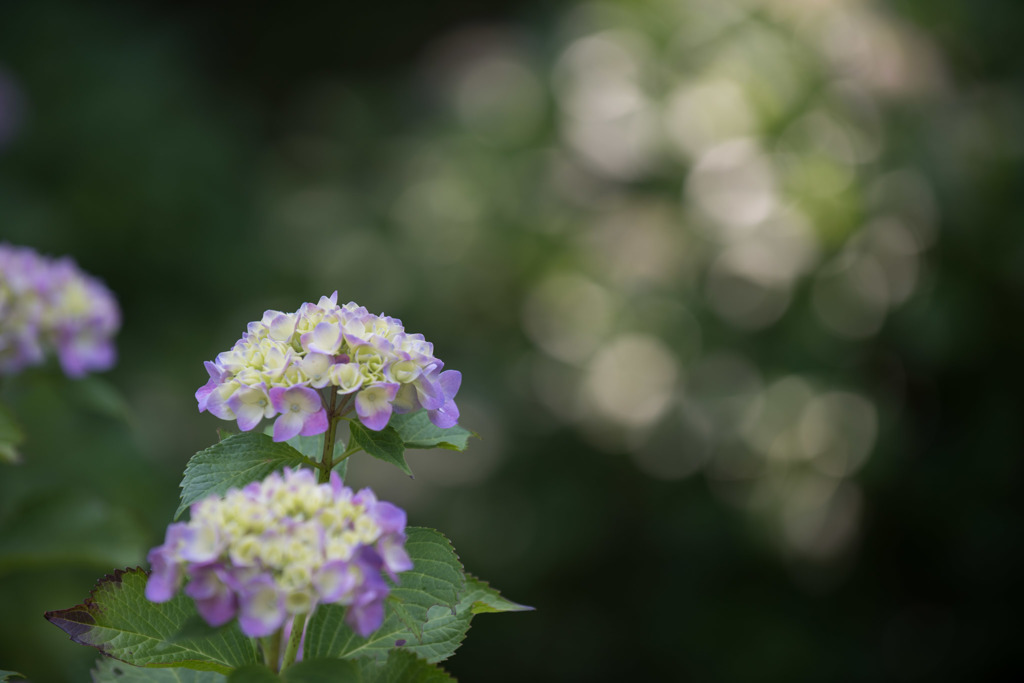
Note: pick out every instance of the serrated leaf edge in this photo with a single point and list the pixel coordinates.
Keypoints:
(519, 606)
(369, 641)
(90, 604)
(357, 428)
(191, 465)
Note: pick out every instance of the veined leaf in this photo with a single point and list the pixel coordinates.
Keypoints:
(322, 671)
(310, 446)
(233, 463)
(445, 630)
(417, 431)
(402, 667)
(307, 671)
(120, 622)
(112, 671)
(385, 445)
(419, 617)
(253, 673)
(435, 582)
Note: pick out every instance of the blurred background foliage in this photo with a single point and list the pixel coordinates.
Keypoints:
(731, 283)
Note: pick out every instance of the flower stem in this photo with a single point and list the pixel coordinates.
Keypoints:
(344, 456)
(291, 650)
(336, 411)
(327, 461)
(271, 649)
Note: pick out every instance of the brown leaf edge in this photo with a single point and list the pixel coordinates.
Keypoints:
(78, 620)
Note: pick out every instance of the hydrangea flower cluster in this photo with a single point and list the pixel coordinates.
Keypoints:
(51, 304)
(280, 547)
(280, 363)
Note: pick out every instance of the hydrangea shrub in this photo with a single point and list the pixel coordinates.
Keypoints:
(281, 571)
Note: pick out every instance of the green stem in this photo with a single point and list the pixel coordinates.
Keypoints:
(327, 460)
(271, 649)
(291, 650)
(344, 456)
(336, 411)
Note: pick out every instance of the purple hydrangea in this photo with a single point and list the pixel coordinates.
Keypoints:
(288, 365)
(51, 305)
(278, 548)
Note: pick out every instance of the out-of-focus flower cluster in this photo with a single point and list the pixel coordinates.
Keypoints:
(51, 304)
(280, 547)
(282, 360)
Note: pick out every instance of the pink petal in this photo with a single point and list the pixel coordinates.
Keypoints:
(287, 426)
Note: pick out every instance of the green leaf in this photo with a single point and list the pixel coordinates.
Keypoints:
(233, 463)
(342, 469)
(310, 446)
(11, 436)
(112, 671)
(445, 630)
(420, 616)
(385, 445)
(402, 667)
(322, 671)
(120, 622)
(440, 636)
(434, 583)
(10, 676)
(253, 673)
(195, 627)
(417, 431)
(480, 598)
(71, 528)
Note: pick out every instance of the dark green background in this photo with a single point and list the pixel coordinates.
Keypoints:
(159, 140)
